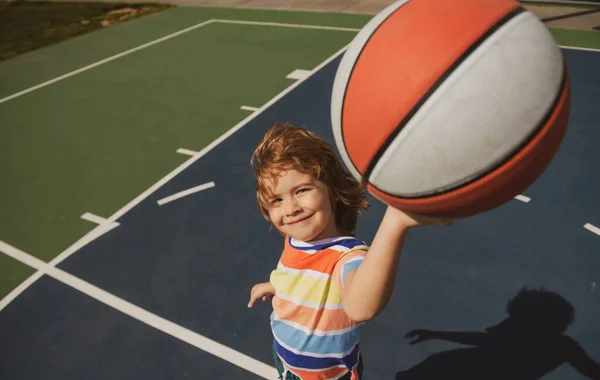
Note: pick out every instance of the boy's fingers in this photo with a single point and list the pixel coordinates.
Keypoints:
(251, 302)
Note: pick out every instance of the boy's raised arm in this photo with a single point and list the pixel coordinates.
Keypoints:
(368, 289)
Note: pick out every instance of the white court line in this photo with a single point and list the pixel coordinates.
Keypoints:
(298, 74)
(523, 198)
(187, 152)
(248, 108)
(212, 347)
(592, 228)
(564, 3)
(127, 52)
(184, 193)
(341, 29)
(283, 25)
(96, 219)
(578, 48)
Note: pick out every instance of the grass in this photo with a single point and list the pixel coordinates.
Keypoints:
(28, 25)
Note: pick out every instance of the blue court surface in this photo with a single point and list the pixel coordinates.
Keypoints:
(163, 295)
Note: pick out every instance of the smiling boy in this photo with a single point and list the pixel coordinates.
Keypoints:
(325, 284)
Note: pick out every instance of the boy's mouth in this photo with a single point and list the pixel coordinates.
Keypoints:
(300, 220)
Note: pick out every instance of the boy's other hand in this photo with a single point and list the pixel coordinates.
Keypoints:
(265, 291)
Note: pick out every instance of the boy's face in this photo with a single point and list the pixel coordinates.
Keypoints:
(300, 206)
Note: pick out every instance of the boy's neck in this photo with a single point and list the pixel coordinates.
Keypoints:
(329, 233)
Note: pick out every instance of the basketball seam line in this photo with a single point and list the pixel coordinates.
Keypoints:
(509, 16)
(365, 177)
(533, 134)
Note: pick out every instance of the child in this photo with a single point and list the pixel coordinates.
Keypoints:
(325, 284)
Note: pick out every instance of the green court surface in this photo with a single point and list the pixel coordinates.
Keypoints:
(583, 38)
(95, 140)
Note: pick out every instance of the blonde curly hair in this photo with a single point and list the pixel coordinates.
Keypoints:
(285, 146)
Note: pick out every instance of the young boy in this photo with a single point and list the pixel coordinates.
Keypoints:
(325, 284)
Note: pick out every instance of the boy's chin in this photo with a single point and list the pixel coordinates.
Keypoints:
(307, 237)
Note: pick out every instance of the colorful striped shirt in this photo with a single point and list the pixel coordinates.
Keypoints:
(314, 338)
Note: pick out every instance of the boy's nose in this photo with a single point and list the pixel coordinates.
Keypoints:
(292, 208)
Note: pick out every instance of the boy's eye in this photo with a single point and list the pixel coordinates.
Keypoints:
(302, 191)
(275, 201)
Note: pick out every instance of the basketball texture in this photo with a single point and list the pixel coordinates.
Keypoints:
(450, 108)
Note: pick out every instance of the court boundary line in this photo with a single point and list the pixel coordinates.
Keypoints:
(344, 29)
(286, 25)
(594, 50)
(50, 268)
(153, 320)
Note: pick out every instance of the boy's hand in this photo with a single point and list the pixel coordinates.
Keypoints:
(412, 220)
(265, 291)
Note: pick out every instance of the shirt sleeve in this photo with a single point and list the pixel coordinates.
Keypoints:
(351, 261)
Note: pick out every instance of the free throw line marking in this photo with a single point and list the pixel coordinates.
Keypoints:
(208, 345)
(592, 228)
(184, 193)
(187, 152)
(248, 108)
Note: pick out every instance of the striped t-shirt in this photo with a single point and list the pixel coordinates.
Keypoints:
(314, 338)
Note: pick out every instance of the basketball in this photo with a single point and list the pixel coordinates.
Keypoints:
(450, 108)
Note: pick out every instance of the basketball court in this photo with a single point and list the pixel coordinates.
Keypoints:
(131, 238)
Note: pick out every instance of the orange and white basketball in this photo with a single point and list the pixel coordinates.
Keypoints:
(450, 108)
